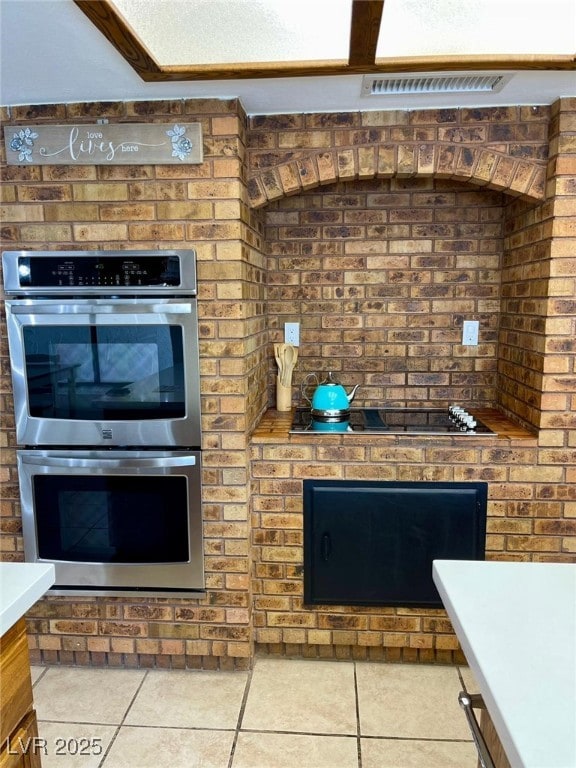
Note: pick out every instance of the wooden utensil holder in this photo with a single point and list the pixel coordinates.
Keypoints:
(283, 396)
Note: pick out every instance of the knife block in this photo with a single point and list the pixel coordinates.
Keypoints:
(283, 396)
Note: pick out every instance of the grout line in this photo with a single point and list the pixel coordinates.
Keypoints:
(418, 738)
(40, 676)
(122, 720)
(324, 735)
(107, 750)
(130, 705)
(241, 714)
(76, 722)
(135, 725)
(264, 730)
(461, 678)
(358, 730)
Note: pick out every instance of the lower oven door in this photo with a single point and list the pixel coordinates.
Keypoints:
(113, 522)
(105, 372)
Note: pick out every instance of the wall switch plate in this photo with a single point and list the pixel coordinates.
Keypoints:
(470, 329)
(292, 334)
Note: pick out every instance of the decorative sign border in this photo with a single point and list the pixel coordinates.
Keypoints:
(103, 144)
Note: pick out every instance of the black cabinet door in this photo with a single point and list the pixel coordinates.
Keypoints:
(374, 543)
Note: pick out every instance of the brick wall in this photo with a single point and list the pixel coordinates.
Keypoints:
(90, 207)
(381, 274)
(284, 625)
(395, 328)
(500, 245)
(520, 281)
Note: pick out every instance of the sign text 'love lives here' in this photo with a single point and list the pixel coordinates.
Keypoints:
(103, 144)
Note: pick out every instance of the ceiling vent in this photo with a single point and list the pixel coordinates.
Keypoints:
(387, 86)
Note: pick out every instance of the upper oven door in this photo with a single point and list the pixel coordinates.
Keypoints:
(97, 372)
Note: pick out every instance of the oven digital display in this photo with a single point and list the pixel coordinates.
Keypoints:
(99, 271)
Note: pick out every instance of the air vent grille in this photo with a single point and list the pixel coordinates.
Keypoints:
(383, 86)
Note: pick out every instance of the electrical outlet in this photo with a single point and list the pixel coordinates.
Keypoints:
(292, 334)
(470, 329)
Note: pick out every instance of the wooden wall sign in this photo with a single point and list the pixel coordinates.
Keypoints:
(103, 144)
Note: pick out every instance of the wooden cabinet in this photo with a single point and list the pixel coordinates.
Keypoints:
(18, 726)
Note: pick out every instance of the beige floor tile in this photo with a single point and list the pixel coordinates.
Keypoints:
(74, 745)
(85, 695)
(280, 750)
(189, 699)
(301, 695)
(170, 747)
(410, 701)
(395, 753)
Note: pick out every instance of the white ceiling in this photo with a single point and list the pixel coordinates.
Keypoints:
(51, 53)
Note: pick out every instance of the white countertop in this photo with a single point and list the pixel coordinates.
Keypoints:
(21, 585)
(516, 623)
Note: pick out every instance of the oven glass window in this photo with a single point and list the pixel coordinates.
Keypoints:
(113, 372)
(127, 519)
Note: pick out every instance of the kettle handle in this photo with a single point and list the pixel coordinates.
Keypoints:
(310, 380)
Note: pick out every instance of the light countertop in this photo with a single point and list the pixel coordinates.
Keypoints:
(21, 585)
(516, 623)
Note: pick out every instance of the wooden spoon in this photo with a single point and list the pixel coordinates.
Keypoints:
(277, 354)
(290, 357)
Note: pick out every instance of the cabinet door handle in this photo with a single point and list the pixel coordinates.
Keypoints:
(325, 546)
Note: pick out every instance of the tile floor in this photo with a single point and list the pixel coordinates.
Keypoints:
(285, 713)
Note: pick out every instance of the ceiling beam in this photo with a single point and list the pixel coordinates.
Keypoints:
(364, 31)
(265, 70)
(105, 17)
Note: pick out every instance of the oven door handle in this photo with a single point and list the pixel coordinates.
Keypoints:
(132, 459)
(78, 308)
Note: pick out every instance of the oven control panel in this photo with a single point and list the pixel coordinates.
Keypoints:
(85, 272)
(30, 272)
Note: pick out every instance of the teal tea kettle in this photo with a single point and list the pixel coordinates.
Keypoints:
(331, 402)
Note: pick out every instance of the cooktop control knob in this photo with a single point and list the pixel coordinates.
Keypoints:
(462, 418)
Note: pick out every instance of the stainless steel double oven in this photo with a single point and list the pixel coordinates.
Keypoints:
(105, 369)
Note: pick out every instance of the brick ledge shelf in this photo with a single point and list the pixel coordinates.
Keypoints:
(275, 427)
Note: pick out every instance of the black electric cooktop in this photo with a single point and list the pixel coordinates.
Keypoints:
(393, 421)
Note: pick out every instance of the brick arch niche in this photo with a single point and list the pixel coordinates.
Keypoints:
(481, 167)
(388, 316)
